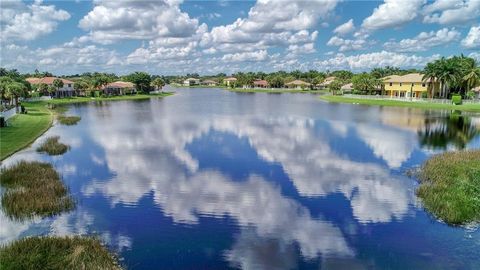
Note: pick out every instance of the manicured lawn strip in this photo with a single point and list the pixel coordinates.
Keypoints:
(450, 186)
(397, 103)
(33, 189)
(23, 129)
(73, 100)
(262, 90)
(54, 252)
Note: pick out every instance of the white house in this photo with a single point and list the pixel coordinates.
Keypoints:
(191, 81)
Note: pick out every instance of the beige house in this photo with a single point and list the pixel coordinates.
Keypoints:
(298, 84)
(119, 88)
(229, 81)
(191, 82)
(209, 83)
(347, 88)
(327, 82)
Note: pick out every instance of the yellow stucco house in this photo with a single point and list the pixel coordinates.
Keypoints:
(408, 85)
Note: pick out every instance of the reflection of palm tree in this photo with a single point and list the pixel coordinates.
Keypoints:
(455, 129)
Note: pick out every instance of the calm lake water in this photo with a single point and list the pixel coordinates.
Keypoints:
(209, 179)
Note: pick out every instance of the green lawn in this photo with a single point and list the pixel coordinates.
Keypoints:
(450, 186)
(397, 103)
(266, 90)
(23, 129)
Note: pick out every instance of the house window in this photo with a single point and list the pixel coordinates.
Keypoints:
(400, 84)
(423, 84)
(69, 85)
(391, 84)
(413, 84)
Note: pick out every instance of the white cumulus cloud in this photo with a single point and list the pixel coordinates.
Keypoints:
(393, 13)
(424, 41)
(472, 40)
(345, 28)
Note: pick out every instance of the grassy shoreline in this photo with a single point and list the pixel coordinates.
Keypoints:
(276, 91)
(24, 129)
(450, 186)
(55, 252)
(399, 103)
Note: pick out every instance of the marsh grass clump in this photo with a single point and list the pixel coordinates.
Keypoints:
(52, 252)
(68, 120)
(33, 189)
(450, 186)
(53, 147)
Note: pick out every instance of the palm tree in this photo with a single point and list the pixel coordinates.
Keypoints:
(158, 83)
(57, 83)
(430, 75)
(472, 77)
(16, 90)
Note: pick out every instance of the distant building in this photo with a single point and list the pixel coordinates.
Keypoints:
(476, 90)
(209, 83)
(299, 84)
(260, 84)
(327, 82)
(229, 81)
(66, 90)
(191, 82)
(347, 88)
(119, 88)
(408, 85)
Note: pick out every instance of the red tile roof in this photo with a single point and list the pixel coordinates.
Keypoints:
(46, 80)
(260, 83)
(120, 84)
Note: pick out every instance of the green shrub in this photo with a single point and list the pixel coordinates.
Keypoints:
(457, 99)
(33, 189)
(424, 95)
(53, 252)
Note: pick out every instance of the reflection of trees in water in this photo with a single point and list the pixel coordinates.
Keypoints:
(454, 129)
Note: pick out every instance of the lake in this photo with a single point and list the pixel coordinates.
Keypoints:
(211, 179)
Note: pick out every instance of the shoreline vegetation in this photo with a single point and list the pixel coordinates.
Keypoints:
(24, 129)
(55, 252)
(450, 186)
(33, 189)
(53, 147)
(399, 103)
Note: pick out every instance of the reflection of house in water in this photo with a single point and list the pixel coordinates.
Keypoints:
(455, 130)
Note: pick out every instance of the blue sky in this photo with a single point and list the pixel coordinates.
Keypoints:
(208, 37)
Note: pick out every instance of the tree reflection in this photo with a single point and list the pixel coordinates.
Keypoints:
(453, 130)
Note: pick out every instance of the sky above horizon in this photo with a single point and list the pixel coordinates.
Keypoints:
(208, 37)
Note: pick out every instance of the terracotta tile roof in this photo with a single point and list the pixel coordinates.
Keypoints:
(230, 79)
(407, 78)
(260, 82)
(209, 81)
(120, 84)
(348, 86)
(297, 82)
(46, 80)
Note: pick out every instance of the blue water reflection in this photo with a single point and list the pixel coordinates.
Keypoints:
(211, 179)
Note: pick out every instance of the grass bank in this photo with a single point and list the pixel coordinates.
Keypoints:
(53, 147)
(450, 186)
(23, 129)
(33, 189)
(398, 103)
(50, 252)
(276, 91)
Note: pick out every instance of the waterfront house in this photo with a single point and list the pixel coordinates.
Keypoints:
(326, 82)
(229, 81)
(298, 84)
(191, 82)
(260, 84)
(119, 88)
(409, 85)
(209, 83)
(347, 88)
(66, 90)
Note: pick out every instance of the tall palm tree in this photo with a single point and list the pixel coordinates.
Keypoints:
(16, 90)
(472, 77)
(430, 75)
